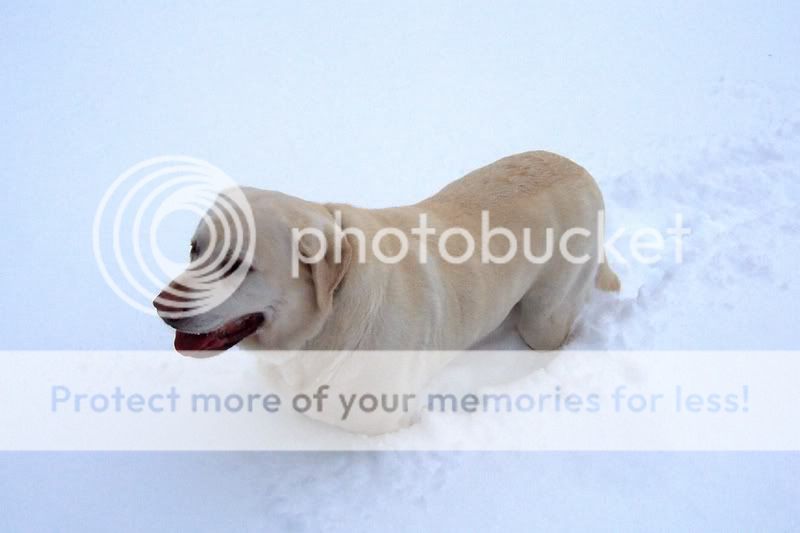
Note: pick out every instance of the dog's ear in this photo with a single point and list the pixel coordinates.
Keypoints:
(327, 273)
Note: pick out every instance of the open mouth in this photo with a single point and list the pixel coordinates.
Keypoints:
(219, 339)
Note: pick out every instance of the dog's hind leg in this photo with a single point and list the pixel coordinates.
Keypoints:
(548, 313)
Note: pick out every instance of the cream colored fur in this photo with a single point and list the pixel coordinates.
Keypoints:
(353, 305)
(445, 306)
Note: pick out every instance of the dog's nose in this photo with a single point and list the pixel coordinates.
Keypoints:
(172, 300)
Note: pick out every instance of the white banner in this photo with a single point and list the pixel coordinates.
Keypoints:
(480, 400)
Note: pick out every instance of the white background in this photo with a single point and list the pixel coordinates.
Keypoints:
(673, 107)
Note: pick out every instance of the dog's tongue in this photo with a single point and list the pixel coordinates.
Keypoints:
(220, 339)
(187, 342)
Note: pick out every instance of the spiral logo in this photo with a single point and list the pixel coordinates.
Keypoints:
(130, 225)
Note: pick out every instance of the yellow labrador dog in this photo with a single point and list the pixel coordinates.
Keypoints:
(437, 275)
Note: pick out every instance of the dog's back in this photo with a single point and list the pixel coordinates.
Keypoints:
(513, 179)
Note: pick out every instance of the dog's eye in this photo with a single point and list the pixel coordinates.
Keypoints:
(233, 266)
(230, 267)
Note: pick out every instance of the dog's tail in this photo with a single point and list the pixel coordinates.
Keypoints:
(606, 280)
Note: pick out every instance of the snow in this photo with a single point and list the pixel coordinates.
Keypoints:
(685, 108)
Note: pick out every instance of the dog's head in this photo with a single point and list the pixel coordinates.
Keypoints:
(247, 277)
